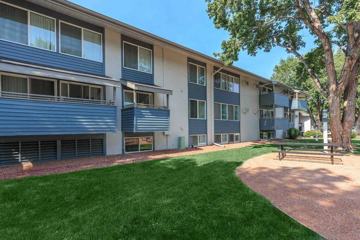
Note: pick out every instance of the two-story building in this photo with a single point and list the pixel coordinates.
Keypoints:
(75, 83)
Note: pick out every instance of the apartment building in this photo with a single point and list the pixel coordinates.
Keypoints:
(75, 83)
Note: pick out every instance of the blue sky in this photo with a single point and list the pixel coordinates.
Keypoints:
(184, 22)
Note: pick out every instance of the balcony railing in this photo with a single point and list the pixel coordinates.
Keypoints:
(12, 95)
(140, 105)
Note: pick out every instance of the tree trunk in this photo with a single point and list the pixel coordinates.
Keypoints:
(335, 117)
(349, 107)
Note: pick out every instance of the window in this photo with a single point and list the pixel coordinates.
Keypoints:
(236, 113)
(198, 140)
(197, 74)
(27, 27)
(137, 58)
(14, 84)
(197, 109)
(80, 42)
(224, 112)
(266, 113)
(42, 87)
(227, 82)
(13, 24)
(138, 144)
(142, 98)
(224, 138)
(217, 111)
(82, 91)
(234, 137)
(42, 32)
(92, 46)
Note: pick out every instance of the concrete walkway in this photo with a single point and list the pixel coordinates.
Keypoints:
(63, 166)
(323, 197)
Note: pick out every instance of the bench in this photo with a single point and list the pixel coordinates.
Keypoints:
(309, 149)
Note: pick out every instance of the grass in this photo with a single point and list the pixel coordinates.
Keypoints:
(194, 197)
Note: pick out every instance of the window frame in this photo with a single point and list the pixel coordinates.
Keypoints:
(81, 84)
(200, 144)
(82, 41)
(28, 79)
(138, 56)
(231, 79)
(227, 112)
(197, 74)
(152, 149)
(197, 112)
(28, 12)
(135, 102)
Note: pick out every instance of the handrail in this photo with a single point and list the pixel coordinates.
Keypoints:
(37, 97)
(139, 105)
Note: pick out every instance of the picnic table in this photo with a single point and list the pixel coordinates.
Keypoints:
(316, 149)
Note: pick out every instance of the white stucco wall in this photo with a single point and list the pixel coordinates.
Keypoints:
(113, 69)
(249, 108)
(170, 72)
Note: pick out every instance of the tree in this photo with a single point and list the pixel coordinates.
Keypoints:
(293, 73)
(255, 25)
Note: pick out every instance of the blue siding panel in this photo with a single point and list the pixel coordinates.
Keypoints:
(273, 124)
(26, 54)
(267, 124)
(145, 120)
(197, 91)
(222, 126)
(28, 117)
(197, 126)
(299, 105)
(282, 100)
(222, 96)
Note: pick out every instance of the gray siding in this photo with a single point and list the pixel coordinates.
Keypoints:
(31, 55)
(221, 96)
(197, 126)
(223, 126)
(145, 120)
(277, 99)
(27, 117)
(197, 91)
(134, 75)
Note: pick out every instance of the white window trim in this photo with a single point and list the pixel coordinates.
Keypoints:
(200, 144)
(138, 56)
(81, 84)
(82, 41)
(227, 112)
(28, 79)
(28, 27)
(197, 103)
(152, 149)
(197, 74)
(230, 76)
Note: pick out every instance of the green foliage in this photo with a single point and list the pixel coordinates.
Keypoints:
(293, 133)
(313, 133)
(192, 197)
(353, 135)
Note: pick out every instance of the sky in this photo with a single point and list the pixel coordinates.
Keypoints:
(184, 22)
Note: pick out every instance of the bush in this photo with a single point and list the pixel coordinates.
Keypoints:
(313, 133)
(293, 133)
(353, 134)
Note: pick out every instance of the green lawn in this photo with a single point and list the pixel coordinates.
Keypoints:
(194, 197)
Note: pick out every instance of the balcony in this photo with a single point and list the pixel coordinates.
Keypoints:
(271, 124)
(137, 118)
(274, 99)
(29, 115)
(300, 105)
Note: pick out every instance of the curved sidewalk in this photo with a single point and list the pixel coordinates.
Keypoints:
(321, 196)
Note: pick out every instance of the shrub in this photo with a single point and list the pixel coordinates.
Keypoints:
(293, 133)
(353, 134)
(313, 133)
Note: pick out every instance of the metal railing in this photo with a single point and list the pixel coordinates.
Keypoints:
(140, 105)
(12, 95)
